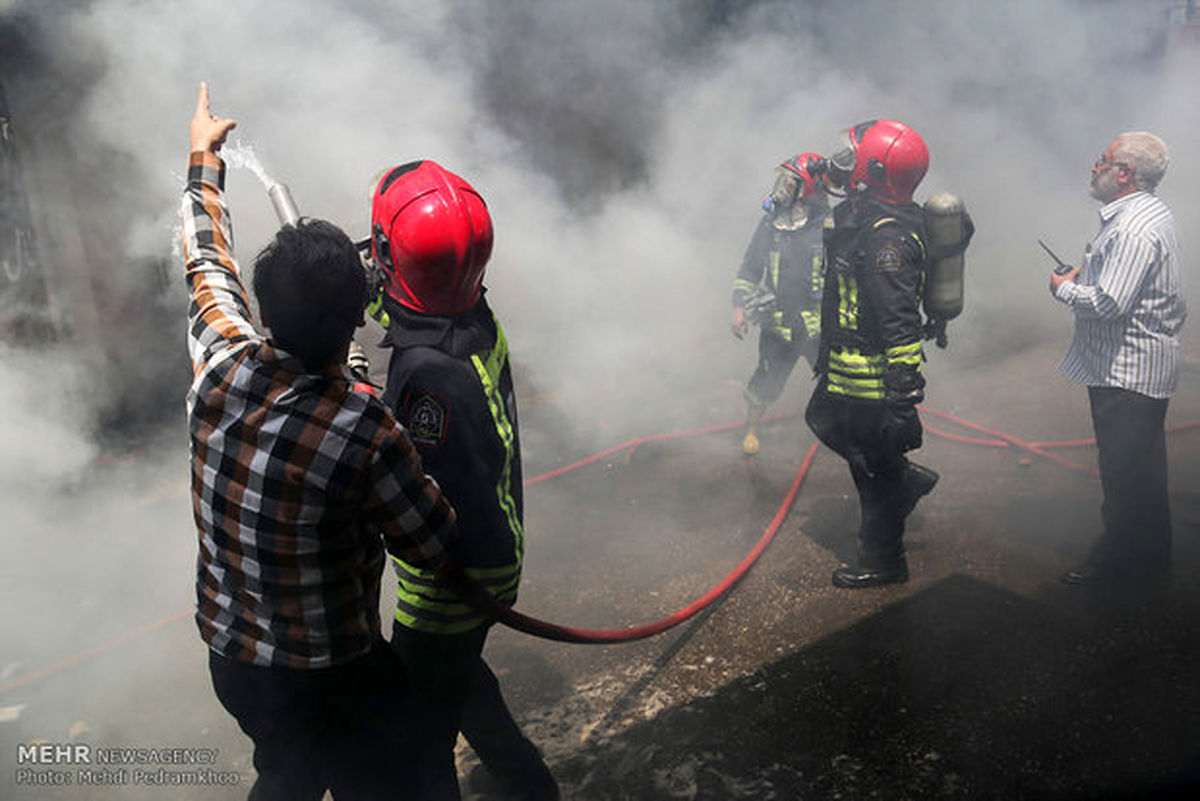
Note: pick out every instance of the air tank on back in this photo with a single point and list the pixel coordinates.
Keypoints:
(947, 230)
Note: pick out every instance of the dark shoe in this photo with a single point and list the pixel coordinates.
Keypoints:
(1084, 574)
(919, 481)
(537, 786)
(1136, 576)
(854, 578)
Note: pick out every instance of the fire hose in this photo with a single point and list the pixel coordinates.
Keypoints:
(479, 597)
(539, 628)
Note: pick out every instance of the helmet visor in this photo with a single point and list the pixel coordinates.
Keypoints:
(841, 163)
(786, 183)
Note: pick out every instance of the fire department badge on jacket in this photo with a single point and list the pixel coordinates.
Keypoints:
(887, 258)
(426, 419)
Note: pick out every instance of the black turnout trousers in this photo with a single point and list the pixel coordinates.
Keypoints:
(852, 428)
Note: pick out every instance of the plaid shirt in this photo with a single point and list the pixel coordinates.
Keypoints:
(294, 475)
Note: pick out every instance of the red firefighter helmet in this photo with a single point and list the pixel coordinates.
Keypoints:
(432, 235)
(884, 157)
(799, 165)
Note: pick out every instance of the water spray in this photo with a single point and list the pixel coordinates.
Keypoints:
(240, 154)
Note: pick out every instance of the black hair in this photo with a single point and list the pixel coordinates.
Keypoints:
(311, 290)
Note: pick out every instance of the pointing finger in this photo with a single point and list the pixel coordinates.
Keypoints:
(202, 102)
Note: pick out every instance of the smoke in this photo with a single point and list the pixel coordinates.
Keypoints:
(623, 148)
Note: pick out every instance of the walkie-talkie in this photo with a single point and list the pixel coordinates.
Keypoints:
(1063, 268)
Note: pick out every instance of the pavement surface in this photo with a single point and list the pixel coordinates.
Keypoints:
(982, 677)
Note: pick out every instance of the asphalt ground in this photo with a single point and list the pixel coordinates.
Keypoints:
(982, 677)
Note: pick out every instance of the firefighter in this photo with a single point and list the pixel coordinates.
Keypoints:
(450, 384)
(869, 366)
(778, 285)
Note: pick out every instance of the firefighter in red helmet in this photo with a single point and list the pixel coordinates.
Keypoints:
(869, 367)
(450, 384)
(778, 285)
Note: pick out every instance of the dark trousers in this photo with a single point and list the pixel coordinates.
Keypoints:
(337, 728)
(852, 429)
(453, 690)
(1132, 444)
(777, 358)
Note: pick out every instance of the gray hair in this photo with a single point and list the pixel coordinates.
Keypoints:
(1146, 154)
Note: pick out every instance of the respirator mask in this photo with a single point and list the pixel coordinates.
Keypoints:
(782, 194)
(840, 166)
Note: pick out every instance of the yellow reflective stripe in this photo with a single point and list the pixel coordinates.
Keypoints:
(849, 389)
(847, 302)
(919, 241)
(904, 354)
(818, 265)
(861, 382)
(773, 260)
(425, 583)
(783, 332)
(812, 322)
(856, 361)
(429, 578)
(424, 605)
(489, 370)
(376, 312)
(863, 373)
(746, 286)
(855, 374)
(420, 600)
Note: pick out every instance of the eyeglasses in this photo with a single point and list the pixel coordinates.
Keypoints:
(1104, 161)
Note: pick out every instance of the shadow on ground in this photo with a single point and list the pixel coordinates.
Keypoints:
(961, 690)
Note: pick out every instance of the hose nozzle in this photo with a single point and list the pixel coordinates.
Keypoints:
(285, 207)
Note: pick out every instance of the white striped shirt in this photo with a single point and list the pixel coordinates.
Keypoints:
(1128, 301)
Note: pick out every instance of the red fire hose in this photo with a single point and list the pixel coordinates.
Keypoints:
(553, 631)
(484, 601)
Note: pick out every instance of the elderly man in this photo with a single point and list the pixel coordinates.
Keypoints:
(1127, 299)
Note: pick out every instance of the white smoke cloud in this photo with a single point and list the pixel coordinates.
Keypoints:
(623, 147)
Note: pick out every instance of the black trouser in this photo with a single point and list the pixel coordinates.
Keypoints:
(1136, 511)
(777, 358)
(851, 428)
(338, 728)
(454, 690)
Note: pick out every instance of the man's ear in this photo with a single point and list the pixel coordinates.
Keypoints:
(1126, 176)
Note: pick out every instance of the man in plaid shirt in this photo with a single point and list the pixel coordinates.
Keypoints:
(295, 477)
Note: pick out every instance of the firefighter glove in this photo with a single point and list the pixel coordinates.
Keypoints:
(903, 384)
(901, 426)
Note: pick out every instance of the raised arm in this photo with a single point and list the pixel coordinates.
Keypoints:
(218, 313)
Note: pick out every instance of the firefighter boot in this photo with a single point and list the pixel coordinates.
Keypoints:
(880, 535)
(919, 481)
(754, 413)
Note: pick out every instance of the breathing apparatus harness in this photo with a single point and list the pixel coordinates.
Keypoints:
(948, 229)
